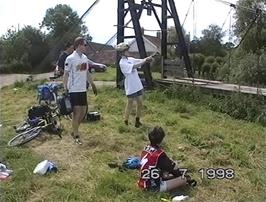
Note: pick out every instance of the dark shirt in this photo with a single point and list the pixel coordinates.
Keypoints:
(165, 164)
(61, 60)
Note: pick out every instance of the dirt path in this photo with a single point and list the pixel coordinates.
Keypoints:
(8, 79)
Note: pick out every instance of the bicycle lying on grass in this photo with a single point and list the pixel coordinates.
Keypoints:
(49, 121)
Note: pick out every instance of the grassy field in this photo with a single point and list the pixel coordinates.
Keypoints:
(110, 75)
(200, 138)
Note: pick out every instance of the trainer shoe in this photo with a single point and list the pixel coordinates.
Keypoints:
(78, 141)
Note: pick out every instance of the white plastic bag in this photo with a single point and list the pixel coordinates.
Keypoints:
(179, 198)
(42, 167)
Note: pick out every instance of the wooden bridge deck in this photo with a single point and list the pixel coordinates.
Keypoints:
(214, 86)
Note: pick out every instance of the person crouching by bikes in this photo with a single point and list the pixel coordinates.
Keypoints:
(76, 76)
(157, 171)
(132, 83)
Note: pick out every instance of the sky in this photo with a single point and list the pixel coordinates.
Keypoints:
(101, 20)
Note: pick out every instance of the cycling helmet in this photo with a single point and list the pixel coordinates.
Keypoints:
(122, 47)
(133, 162)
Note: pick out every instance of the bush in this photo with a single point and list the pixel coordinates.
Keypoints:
(197, 62)
(219, 60)
(15, 67)
(244, 68)
(210, 59)
(237, 105)
(4, 69)
(206, 67)
(23, 49)
(214, 68)
(249, 71)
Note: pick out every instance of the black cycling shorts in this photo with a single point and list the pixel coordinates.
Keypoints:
(78, 98)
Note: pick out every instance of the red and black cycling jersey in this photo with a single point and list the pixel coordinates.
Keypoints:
(154, 162)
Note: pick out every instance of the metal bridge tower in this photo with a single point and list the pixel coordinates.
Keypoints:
(168, 11)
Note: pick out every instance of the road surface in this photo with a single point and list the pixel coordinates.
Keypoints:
(8, 79)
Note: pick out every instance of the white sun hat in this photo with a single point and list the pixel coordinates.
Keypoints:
(122, 47)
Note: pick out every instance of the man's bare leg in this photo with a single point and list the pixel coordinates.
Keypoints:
(76, 123)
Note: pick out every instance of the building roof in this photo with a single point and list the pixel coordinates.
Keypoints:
(152, 44)
(106, 54)
(155, 40)
(94, 47)
(105, 57)
(101, 53)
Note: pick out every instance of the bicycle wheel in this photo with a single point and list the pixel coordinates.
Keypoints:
(25, 137)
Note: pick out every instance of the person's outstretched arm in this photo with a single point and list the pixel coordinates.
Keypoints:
(140, 62)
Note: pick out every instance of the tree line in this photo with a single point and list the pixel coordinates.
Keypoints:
(34, 50)
(240, 61)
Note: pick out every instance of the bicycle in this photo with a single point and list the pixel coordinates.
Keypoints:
(27, 124)
(49, 122)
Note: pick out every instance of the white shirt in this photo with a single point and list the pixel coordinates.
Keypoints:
(132, 81)
(77, 66)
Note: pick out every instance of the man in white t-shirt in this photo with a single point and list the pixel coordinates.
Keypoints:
(76, 76)
(132, 83)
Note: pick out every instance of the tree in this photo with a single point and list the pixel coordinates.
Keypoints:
(62, 20)
(195, 46)
(246, 64)
(24, 49)
(64, 25)
(213, 32)
(173, 38)
(246, 11)
(210, 42)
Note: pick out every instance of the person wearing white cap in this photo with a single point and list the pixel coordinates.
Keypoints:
(132, 83)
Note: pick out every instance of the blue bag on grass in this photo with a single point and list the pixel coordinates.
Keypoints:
(132, 162)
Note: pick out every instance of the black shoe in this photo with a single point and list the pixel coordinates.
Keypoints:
(192, 182)
(126, 122)
(138, 124)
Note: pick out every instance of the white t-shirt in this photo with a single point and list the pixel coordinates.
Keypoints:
(132, 81)
(77, 66)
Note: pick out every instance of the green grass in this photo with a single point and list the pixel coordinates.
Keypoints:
(110, 75)
(199, 137)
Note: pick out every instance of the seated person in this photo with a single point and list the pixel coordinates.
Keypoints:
(155, 163)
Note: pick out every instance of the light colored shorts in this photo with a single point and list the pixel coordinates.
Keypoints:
(163, 186)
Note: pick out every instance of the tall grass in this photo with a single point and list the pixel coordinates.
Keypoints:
(196, 135)
(237, 105)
